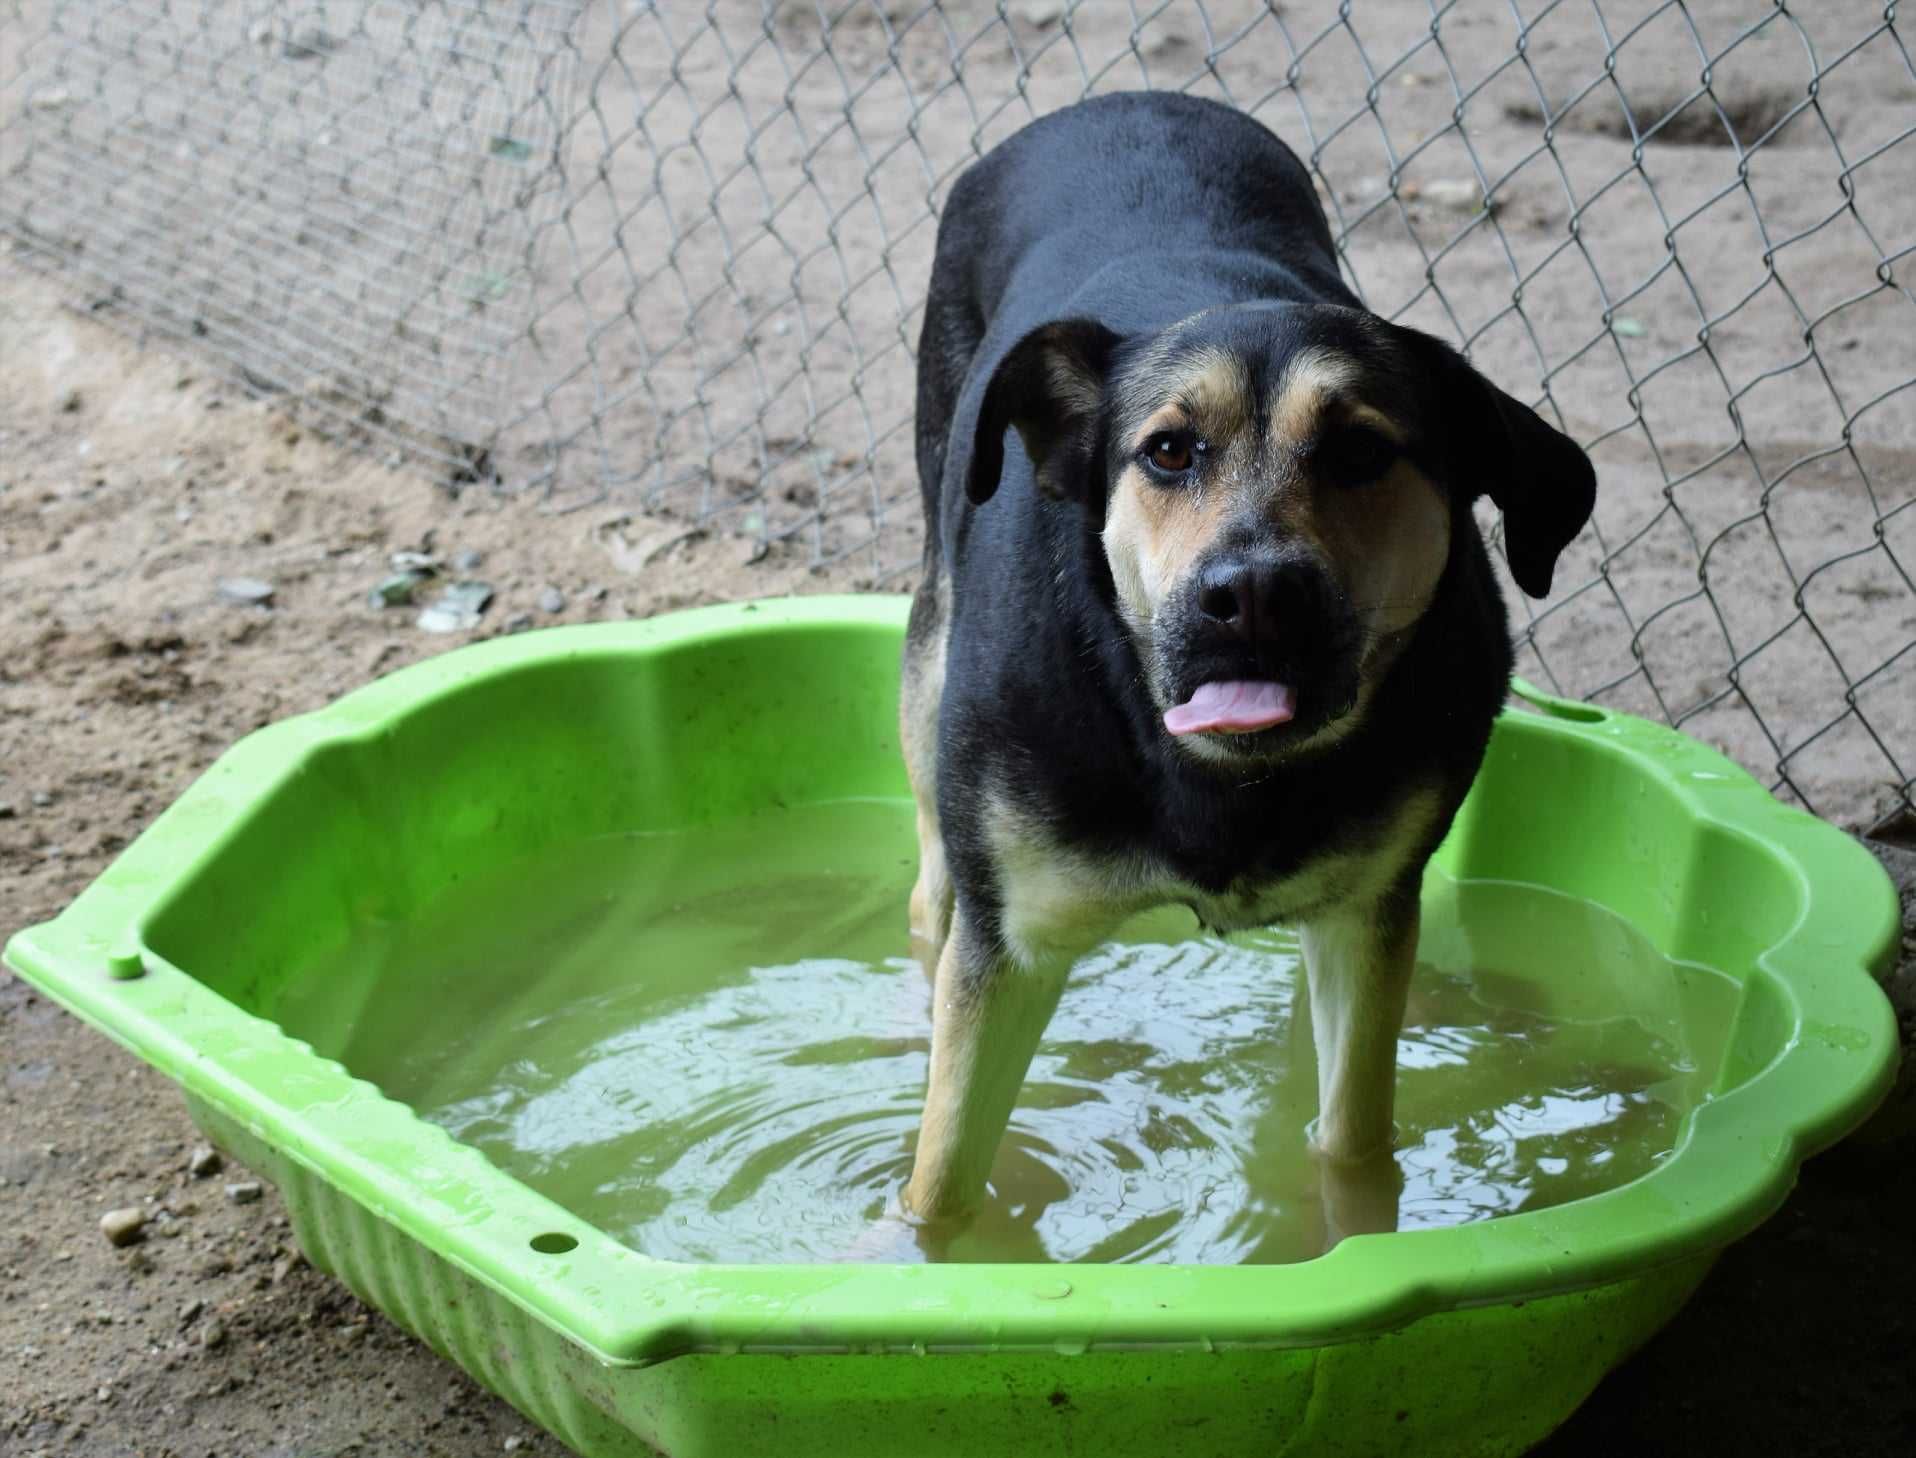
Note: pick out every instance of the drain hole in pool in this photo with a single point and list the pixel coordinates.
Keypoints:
(554, 1243)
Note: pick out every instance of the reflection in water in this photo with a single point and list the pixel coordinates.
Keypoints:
(708, 1045)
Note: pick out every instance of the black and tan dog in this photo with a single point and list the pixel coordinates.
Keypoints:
(1205, 615)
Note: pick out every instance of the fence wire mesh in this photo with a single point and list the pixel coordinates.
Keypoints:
(673, 255)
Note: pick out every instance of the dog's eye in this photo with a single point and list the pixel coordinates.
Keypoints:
(1172, 453)
(1352, 457)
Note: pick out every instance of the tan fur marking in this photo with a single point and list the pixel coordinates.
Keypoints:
(1313, 379)
(1389, 541)
(1211, 396)
(1152, 535)
(1055, 904)
(921, 691)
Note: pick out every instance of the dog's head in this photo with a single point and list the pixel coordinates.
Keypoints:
(1281, 489)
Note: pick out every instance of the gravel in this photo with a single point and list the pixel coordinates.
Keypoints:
(123, 1227)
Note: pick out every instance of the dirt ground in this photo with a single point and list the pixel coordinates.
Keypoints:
(131, 484)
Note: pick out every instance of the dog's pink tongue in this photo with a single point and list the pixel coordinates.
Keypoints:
(1235, 706)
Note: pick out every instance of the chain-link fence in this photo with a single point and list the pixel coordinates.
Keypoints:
(674, 254)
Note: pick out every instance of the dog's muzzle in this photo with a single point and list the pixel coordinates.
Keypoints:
(1259, 642)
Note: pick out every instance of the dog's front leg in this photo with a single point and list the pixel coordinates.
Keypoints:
(989, 1012)
(1358, 960)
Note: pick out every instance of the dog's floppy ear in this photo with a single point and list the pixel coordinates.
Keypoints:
(1049, 388)
(1499, 447)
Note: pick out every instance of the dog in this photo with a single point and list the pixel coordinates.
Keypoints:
(1205, 616)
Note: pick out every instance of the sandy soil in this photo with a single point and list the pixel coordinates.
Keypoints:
(131, 483)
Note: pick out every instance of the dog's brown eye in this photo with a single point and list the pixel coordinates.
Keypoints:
(1171, 453)
(1353, 457)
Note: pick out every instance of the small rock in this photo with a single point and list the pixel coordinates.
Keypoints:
(7, 812)
(213, 1334)
(469, 561)
(190, 1312)
(205, 1160)
(551, 600)
(459, 608)
(309, 44)
(518, 622)
(245, 1192)
(595, 594)
(1459, 194)
(139, 1262)
(42, 799)
(248, 590)
(70, 403)
(414, 562)
(397, 590)
(514, 1444)
(1041, 13)
(123, 1227)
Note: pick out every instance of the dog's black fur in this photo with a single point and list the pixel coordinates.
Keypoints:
(1134, 212)
(1174, 473)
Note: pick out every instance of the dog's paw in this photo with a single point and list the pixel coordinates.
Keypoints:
(894, 1238)
(1360, 1195)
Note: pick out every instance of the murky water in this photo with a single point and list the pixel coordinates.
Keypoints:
(711, 1046)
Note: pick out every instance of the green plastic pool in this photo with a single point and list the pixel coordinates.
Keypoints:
(1477, 1338)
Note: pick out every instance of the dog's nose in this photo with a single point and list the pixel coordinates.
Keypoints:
(1242, 594)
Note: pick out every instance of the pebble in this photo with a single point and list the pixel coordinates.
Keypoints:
(205, 1160)
(245, 1192)
(190, 1312)
(1460, 194)
(70, 402)
(7, 812)
(459, 607)
(123, 1227)
(1041, 13)
(518, 622)
(397, 590)
(514, 1444)
(213, 1334)
(248, 590)
(551, 600)
(311, 42)
(469, 561)
(42, 799)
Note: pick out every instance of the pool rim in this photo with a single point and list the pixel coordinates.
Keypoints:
(1733, 1166)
